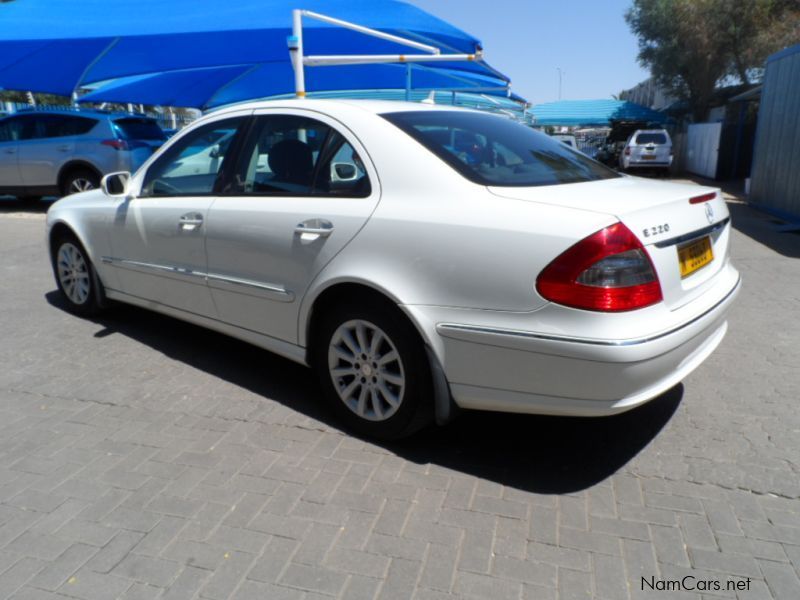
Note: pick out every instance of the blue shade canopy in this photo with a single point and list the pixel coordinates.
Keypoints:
(216, 86)
(593, 113)
(55, 45)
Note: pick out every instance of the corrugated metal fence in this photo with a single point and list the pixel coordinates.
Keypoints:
(775, 183)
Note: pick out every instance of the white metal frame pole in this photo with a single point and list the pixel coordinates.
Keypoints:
(296, 52)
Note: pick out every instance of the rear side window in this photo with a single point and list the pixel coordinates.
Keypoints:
(491, 150)
(52, 126)
(651, 138)
(138, 129)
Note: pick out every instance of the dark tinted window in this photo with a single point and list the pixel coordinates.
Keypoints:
(492, 150)
(192, 165)
(288, 155)
(14, 129)
(138, 129)
(651, 138)
(51, 126)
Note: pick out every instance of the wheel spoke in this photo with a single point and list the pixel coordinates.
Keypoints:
(376, 404)
(342, 372)
(342, 354)
(375, 344)
(387, 358)
(391, 399)
(361, 336)
(392, 378)
(347, 392)
(362, 401)
(347, 337)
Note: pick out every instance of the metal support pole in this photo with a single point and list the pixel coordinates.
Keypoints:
(408, 82)
(296, 52)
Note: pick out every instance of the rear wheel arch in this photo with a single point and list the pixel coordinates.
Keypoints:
(74, 166)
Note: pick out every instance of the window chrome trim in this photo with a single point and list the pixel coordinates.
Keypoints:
(444, 328)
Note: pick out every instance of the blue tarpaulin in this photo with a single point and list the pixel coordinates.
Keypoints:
(56, 45)
(216, 86)
(593, 113)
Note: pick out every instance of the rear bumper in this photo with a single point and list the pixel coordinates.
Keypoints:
(521, 371)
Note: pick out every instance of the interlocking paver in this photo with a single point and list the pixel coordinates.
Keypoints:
(158, 460)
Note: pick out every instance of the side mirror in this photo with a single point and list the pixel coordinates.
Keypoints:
(344, 172)
(115, 185)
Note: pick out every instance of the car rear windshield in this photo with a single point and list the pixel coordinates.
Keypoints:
(651, 138)
(492, 150)
(139, 129)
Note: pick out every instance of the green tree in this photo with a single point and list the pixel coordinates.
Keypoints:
(690, 46)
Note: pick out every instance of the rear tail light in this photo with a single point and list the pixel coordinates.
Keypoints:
(627, 151)
(609, 271)
(116, 144)
(703, 198)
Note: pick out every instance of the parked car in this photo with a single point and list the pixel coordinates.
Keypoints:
(566, 138)
(419, 258)
(46, 153)
(647, 149)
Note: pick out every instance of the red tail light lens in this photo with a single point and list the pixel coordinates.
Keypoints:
(703, 198)
(116, 144)
(609, 271)
(627, 151)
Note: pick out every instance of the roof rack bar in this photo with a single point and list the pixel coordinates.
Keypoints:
(371, 32)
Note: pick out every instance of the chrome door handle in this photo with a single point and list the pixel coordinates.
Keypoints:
(319, 227)
(190, 222)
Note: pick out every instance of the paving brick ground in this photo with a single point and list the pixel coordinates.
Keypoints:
(145, 458)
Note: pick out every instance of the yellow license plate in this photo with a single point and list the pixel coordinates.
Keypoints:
(694, 256)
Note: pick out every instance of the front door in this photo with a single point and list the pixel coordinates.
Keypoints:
(11, 132)
(158, 238)
(299, 194)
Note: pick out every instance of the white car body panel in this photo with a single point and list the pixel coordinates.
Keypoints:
(460, 259)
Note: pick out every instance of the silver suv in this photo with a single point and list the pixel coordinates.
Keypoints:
(648, 149)
(45, 153)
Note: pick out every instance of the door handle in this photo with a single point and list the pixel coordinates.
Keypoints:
(318, 227)
(190, 221)
(64, 148)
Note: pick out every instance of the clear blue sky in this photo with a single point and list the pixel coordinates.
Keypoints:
(528, 39)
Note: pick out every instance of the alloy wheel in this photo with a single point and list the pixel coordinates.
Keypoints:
(73, 273)
(366, 370)
(80, 184)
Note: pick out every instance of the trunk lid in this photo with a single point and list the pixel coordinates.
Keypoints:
(661, 216)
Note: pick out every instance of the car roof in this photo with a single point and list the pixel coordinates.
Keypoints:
(79, 113)
(377, 107)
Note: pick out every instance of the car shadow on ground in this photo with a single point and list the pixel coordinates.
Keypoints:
(542, 454)
(12, 205)
(765, 229)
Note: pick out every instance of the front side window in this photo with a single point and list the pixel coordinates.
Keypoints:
(492, 150)
(193, 164)
(288, 155)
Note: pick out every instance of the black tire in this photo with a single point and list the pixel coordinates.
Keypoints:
(86, 296)
(415, 407)
(79, 180)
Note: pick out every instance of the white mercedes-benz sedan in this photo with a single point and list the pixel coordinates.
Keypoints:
(420, 258)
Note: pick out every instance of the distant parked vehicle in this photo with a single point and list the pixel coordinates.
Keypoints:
(566, 138)
(45, 153)
(647, 148)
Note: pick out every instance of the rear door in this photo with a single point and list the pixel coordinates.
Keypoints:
(300, 192)
(51, 146)
(158, 238)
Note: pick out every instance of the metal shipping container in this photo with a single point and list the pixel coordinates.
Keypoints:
(775, 183)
